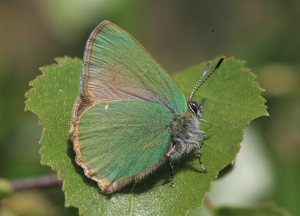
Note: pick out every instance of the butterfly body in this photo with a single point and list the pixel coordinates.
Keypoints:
(131, 116)
(186, 134)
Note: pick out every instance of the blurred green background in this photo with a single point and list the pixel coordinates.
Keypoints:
(179, 34)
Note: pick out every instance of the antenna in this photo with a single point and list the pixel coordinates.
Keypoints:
(201, 81)
(198, 84)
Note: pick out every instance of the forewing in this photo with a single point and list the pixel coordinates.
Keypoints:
(117, 67)
(117, 140)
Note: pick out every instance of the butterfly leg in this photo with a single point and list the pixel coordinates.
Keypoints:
(200, 134)
(172, 172)
(203, 120)
(201, 106)
(199, 155)
(201, 110)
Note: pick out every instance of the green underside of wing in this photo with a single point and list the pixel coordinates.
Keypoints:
(120, 139)
(119, 67)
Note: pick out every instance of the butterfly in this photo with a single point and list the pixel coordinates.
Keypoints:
(131, 116)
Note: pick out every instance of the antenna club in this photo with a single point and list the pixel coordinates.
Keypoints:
(224, 57)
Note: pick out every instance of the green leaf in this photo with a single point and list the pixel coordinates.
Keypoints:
(266, 209)
(232, 100)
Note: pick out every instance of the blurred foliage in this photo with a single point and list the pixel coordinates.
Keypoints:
(27, 204)
(178, 34)
(6, 188)
(266, 209)
(263, 209)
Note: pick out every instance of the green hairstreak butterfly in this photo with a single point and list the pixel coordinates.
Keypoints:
(131, 116)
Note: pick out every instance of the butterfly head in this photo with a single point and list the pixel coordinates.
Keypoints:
(195, 108)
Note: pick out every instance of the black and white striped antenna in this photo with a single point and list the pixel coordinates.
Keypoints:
(201, 81)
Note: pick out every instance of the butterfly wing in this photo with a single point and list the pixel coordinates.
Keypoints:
(117, 67)
(119, 141)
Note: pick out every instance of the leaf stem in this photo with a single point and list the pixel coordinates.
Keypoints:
(209, 204)
(36, 182)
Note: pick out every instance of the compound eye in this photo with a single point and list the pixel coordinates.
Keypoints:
(194, 108)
